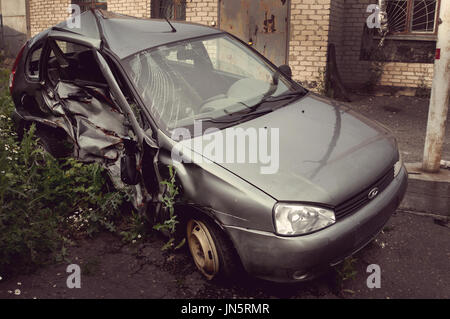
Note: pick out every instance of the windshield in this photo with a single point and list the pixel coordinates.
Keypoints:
(207, 78)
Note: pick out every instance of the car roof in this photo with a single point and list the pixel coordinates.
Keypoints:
(125, 35)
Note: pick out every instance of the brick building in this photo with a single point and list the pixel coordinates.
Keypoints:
(302, 31)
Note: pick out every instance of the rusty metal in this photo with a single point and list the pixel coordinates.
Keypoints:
(261, 24)
(203, 249)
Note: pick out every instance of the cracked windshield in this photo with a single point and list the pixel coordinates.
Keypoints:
(203, 79)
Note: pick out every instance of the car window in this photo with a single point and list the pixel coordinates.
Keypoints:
(33, 63)
(226, 58)
(70, 48)
(72, 62)
(174, 56)
(209, 77)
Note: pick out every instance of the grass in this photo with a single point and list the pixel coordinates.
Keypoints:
(344, 272)
(45, 203)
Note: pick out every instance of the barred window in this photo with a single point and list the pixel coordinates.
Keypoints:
(412, 16)
(88, 4)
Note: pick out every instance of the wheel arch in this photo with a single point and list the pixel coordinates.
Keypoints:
(233, 262)
(191, 210)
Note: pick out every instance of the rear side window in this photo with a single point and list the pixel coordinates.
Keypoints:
(33, 63)
(69, 48)
(71, 62)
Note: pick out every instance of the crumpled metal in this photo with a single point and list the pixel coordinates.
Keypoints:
(95, 126)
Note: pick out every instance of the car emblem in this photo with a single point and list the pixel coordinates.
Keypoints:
(373, 193)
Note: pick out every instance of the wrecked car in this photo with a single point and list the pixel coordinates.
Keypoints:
(274, 179)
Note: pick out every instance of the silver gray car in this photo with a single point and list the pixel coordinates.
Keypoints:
(274, 179)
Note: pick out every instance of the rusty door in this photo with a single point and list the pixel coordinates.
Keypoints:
(261, 23)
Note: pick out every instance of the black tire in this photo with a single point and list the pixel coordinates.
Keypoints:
(53, 141)
(229, 265)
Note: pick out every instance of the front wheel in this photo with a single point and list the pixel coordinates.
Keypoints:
(212, 251)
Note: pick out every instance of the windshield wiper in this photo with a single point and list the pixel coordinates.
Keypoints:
(285, 95)
(234, 117)
(278, 98)
(250, 111)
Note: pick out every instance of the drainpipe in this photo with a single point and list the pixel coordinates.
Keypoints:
(440, 93)
(2, 44)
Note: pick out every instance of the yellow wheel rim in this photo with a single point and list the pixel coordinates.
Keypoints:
(202, 248)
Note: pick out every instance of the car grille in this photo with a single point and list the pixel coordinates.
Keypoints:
(361, 199)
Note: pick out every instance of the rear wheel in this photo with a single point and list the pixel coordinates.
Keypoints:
(212, 251)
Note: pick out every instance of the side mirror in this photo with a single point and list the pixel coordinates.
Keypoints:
(128, 170)
(286, 70)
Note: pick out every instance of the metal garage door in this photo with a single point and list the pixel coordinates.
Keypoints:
(262, 23)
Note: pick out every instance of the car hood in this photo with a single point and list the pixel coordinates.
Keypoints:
(327, 153)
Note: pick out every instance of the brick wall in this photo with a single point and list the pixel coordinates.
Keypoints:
(135, 8)
(407, 74)
(47, 13)
(313, 24)
(308, 43)
(355, 72)
(202, 11)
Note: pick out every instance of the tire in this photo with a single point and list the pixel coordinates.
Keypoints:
(212, 251)
(53, 142)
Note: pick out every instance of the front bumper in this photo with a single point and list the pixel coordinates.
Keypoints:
(291, 259)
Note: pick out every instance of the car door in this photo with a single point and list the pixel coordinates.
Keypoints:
(94, 105)
(31, 99)
(77, 99)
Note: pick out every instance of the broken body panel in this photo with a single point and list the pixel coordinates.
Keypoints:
(96, 117)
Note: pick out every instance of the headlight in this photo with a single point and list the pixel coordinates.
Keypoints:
(398, 166)
(291, 219)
